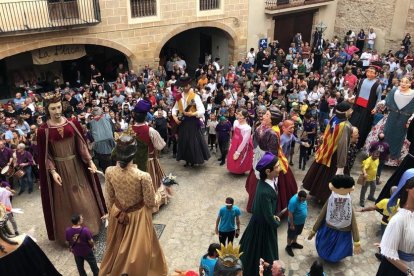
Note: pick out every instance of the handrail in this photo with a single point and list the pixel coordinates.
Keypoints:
(42, 15)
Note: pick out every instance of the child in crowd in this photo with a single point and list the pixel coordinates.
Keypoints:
(161, 125)
(223, 130)
(211, 128)
(208, 261)
(369, 171)
(303, 151)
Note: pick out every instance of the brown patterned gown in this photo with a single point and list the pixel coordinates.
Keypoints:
(132, 246)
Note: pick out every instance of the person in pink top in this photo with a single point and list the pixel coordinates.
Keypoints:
(351, 49)
(240, 158)
(351, 79)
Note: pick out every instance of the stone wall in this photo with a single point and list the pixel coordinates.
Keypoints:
(391, 19)
(142, 42)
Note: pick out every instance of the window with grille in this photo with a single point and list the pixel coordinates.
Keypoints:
(143, 8)
(206, 5)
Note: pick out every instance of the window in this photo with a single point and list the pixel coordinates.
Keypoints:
(143, 8)
(206, 5)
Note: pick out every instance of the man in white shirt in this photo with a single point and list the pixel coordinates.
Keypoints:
(371, 39)
(251, 56)
(365, 57)
(181, 63)
(217, 65)
(393, 65)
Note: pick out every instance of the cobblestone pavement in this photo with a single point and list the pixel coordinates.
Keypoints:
(190, 218)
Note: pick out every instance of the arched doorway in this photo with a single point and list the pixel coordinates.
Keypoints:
(25, 70)
(195, 44)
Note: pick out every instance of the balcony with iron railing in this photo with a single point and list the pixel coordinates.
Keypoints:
(275, 5)
(45, 15)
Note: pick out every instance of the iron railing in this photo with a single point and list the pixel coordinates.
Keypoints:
(143, 8)
(43, 15)
(206, 5)
(283, 4)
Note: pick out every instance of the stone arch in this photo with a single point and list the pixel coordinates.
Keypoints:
(66, 41)
(225, 28)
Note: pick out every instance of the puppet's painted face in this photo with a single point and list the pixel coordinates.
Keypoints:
(371, 74)
(55, 110)
(288, 127)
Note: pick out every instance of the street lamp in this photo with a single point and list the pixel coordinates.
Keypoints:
(321, 27)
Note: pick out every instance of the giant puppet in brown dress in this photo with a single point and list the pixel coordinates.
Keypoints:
(68, 183)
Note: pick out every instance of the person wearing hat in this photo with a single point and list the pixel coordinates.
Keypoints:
(187, 113)
(259, 240)
(336, 226)
(102, 131)
(397, 243)
(267, 137)
(331, 157)
(68, 182)
(366, 98)
(132, 246)
(150, 143)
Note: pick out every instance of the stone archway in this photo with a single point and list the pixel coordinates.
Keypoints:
(225, 29)
(68, 40)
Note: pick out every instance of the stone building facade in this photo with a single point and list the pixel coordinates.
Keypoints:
(141, 39)
(390, 19)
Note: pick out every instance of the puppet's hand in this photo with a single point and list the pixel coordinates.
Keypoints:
(340, 171)
(357, 249)
(57, 178)
(92, 167)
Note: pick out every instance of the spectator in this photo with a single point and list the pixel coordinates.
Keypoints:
(297, 213)
(384, 149)
(80, 242)
(227, 219)
(209, 260)
(24, 161)
(223, 130)
(369, 171)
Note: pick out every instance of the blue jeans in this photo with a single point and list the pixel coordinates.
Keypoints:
(27, 179)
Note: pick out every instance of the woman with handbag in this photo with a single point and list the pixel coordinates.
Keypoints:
(81, 244)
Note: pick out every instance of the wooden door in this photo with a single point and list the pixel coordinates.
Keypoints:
(63, 9)
(286, 26)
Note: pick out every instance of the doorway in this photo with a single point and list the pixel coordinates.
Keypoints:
(192, 46)
(286, 26)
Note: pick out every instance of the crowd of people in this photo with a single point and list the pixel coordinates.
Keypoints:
(332, 98)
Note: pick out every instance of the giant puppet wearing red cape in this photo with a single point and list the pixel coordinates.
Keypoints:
(63, 151)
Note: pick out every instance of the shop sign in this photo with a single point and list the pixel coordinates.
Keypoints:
(58, 53)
